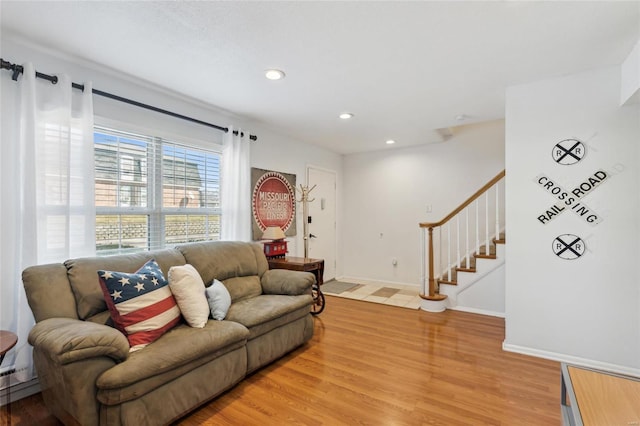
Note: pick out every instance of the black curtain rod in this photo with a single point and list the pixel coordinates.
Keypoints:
(19, 69)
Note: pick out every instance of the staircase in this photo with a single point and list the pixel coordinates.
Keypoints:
(479, 288)
(451, 277)
(463, 254)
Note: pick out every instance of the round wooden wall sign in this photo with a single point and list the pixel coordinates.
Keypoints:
(273, 201)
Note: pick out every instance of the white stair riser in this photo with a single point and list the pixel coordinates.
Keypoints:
(467, 279)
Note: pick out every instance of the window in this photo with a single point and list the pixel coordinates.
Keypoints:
(152, 193)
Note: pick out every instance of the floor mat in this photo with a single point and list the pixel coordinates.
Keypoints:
(385, 292)
(337, 287)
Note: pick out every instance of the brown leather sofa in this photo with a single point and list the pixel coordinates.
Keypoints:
(89, 377)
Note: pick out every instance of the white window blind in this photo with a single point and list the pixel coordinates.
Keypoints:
(153, 193)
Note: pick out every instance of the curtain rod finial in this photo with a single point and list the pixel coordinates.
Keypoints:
(17, 69)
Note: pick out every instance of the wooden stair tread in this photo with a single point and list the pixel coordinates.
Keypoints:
(470, 266)
(486, 256)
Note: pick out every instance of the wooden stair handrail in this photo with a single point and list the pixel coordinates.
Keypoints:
(470, 200)
(433, 290)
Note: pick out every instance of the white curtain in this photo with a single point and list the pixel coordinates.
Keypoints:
(236, 188)
(47, 212)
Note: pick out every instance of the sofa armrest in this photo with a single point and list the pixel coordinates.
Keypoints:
(67, 340)
(283, 281)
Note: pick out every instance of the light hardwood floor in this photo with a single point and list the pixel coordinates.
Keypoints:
(373, 364)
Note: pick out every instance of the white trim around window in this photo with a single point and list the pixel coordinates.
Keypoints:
(152, 192)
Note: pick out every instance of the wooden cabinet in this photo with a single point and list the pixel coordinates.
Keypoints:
(305, 264)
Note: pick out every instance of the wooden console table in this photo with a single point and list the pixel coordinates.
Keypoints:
(595, 398)
(305, 264)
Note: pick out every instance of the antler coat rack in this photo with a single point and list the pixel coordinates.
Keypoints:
(304, 199)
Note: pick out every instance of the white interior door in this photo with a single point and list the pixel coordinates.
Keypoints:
(322, 229)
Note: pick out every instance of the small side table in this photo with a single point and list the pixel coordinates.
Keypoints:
(7, 341)
(305, 264)
(315, 266)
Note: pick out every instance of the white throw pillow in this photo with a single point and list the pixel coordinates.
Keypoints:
(188, 289)
(219, 300)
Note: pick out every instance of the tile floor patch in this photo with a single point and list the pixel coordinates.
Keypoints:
(356, 287)
(386, 292)
(396, 295)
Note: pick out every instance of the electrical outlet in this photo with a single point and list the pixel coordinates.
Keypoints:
(429, 209)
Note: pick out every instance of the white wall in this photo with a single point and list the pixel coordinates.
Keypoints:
(272, 150)
(585, 310)
(485, 296)
(386, 194)
(277, 152)
(630, 75)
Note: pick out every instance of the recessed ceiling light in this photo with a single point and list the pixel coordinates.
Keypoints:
(346, 115)
(274, 74)
(390, 142)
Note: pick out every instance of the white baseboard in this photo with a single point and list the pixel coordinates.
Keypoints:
(570, 359)
(477, 311)
(19, 391)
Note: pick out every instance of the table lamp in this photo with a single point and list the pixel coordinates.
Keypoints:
(277, 247)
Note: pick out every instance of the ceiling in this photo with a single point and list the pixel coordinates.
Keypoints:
(406, 70)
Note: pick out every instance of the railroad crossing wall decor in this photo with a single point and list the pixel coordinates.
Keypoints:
(568, 151)
(568, 246)
(571, 200)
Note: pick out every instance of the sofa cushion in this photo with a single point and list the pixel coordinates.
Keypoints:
(141, 304)
(44, 283)
(219, 300)
(262, 314)
(183, 393)
(241, 288)
(178, 351)
(283, 281)
(84, 281)
(188, 289)
(226, 261)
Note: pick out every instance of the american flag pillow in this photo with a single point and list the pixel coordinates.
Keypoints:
(141, 304)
